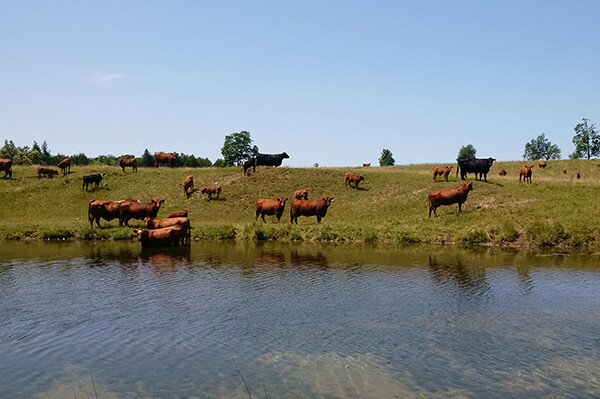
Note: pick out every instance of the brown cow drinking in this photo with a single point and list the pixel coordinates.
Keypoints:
(353, 178)
(525, 173)
(152, 224)
(457, 195)
(316, 208)
(210, 191)
(441, 170)
(166, 236)
(270, 207)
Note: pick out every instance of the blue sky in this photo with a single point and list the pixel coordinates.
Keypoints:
(332, 82)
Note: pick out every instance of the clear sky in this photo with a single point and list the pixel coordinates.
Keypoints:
(332, 82)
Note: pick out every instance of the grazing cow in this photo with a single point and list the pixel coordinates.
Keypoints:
(178, 214)
(479, 166)
(210, 191)
(366, 165)
(301, 194)
(107, 210)
(542, 164)
(265, 160)
(6, 167)
(525, 173)
(564, 171)
(152, 224)
(65, 165)
(43, 171)
(316, 208)
(169, 158)
(128, 163)
(270, 207)
(578, 175)
(441, 170)
(502, 172)
(92, 179)
(353, 178)
(457, 195)
(188, 185)
(165, 236)
(138, 210)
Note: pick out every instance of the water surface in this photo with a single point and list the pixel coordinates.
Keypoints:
(111, 320)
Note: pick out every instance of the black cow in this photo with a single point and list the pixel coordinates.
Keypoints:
(90, 179)
(265, 160)
(479, 166)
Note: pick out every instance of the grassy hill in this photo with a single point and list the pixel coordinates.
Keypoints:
(556, 210)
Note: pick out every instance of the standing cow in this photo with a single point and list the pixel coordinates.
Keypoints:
(65, 165)
(479, 166)
(188, 185)
(265, 160)
(6, 167)
(210, 191)
(128, 163)
(168, 158)
(316, 208)
(441, 170)
(525, 173)
(96, 178)
(457, 195)
(270, 207)
(353, 178)
(543, 164)
(138, 210)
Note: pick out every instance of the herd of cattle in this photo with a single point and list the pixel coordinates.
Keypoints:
(175, 228)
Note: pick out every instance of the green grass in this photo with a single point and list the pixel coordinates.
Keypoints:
(555, 211)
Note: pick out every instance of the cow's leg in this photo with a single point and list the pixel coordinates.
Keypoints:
(318, 219)
(263, 217)
(459, 207)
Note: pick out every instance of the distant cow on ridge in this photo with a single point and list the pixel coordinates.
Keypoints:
(168, 158)
(265, 160)
(128, 163)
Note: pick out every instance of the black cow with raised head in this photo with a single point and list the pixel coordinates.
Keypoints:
(479, 166)
(96, 178)
(265, 160)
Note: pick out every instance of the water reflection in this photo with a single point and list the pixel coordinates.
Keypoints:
(453, 270)
(309, 260)
(166, 257)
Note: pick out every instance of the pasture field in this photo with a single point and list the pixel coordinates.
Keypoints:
(557, 211)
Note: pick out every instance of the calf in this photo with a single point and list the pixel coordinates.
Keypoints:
(210, 191)
(43, 171)
(184, 222)
(525, 173)
(128, 163)
(502, 172)
(65, 165)
(441, 170)
(301, 194)
(92, 179)
(188, 185)
(353, 178)
(457, 195)
(6, 167)
(270, 207)
(178, 214)
(138, 210)
(542, 164)
(166, 236)
(316, 208)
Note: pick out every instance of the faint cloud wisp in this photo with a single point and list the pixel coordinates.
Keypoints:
(107, 78)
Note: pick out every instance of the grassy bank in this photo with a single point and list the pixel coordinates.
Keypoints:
(555, 211)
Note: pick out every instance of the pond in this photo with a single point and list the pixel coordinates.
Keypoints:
(224, 320)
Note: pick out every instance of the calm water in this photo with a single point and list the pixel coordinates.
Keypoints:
(105, 319)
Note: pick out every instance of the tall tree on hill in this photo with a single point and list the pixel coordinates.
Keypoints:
(541, 148)
(466, 151)
(386, 158)
(586, 140)
(147, 159)
(237, 148)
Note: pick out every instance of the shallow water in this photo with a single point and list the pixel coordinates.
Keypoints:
(112, 321)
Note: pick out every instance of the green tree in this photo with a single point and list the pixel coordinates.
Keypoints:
(466, 151)
(203, 162)
(46, 156)
(147, 159)
(541, 148)
(80, 159)
(586, 140)
(219, 163)
(237, 148)
(386, 158)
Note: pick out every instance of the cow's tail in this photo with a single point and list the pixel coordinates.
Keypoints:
(457, 168)
(90, 209)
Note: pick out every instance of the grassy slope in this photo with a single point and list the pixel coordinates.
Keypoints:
(556, 210)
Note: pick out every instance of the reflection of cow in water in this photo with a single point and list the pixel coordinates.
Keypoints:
(309, 260)
(452, 270)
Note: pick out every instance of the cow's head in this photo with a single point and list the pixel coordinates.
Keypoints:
(142, 234)
(490, 161)
(328, 200)
(468, 186)
(285, 155)
(282, 201)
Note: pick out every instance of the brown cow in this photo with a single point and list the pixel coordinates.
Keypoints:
(166, 236)
(152, 224)
(301, 194)
(107, 210)
(502, 172)
(65, 165)
(188, 185)
(353, 178)
(316, 208)
(270, 207)
(178, 214)
(128, 163)
(138, 210)
(441, 170)
(457, 195)
(525, 173)
(542, 164)
(168, 158)
(43, 171)
(210, 191)
(6, 167)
